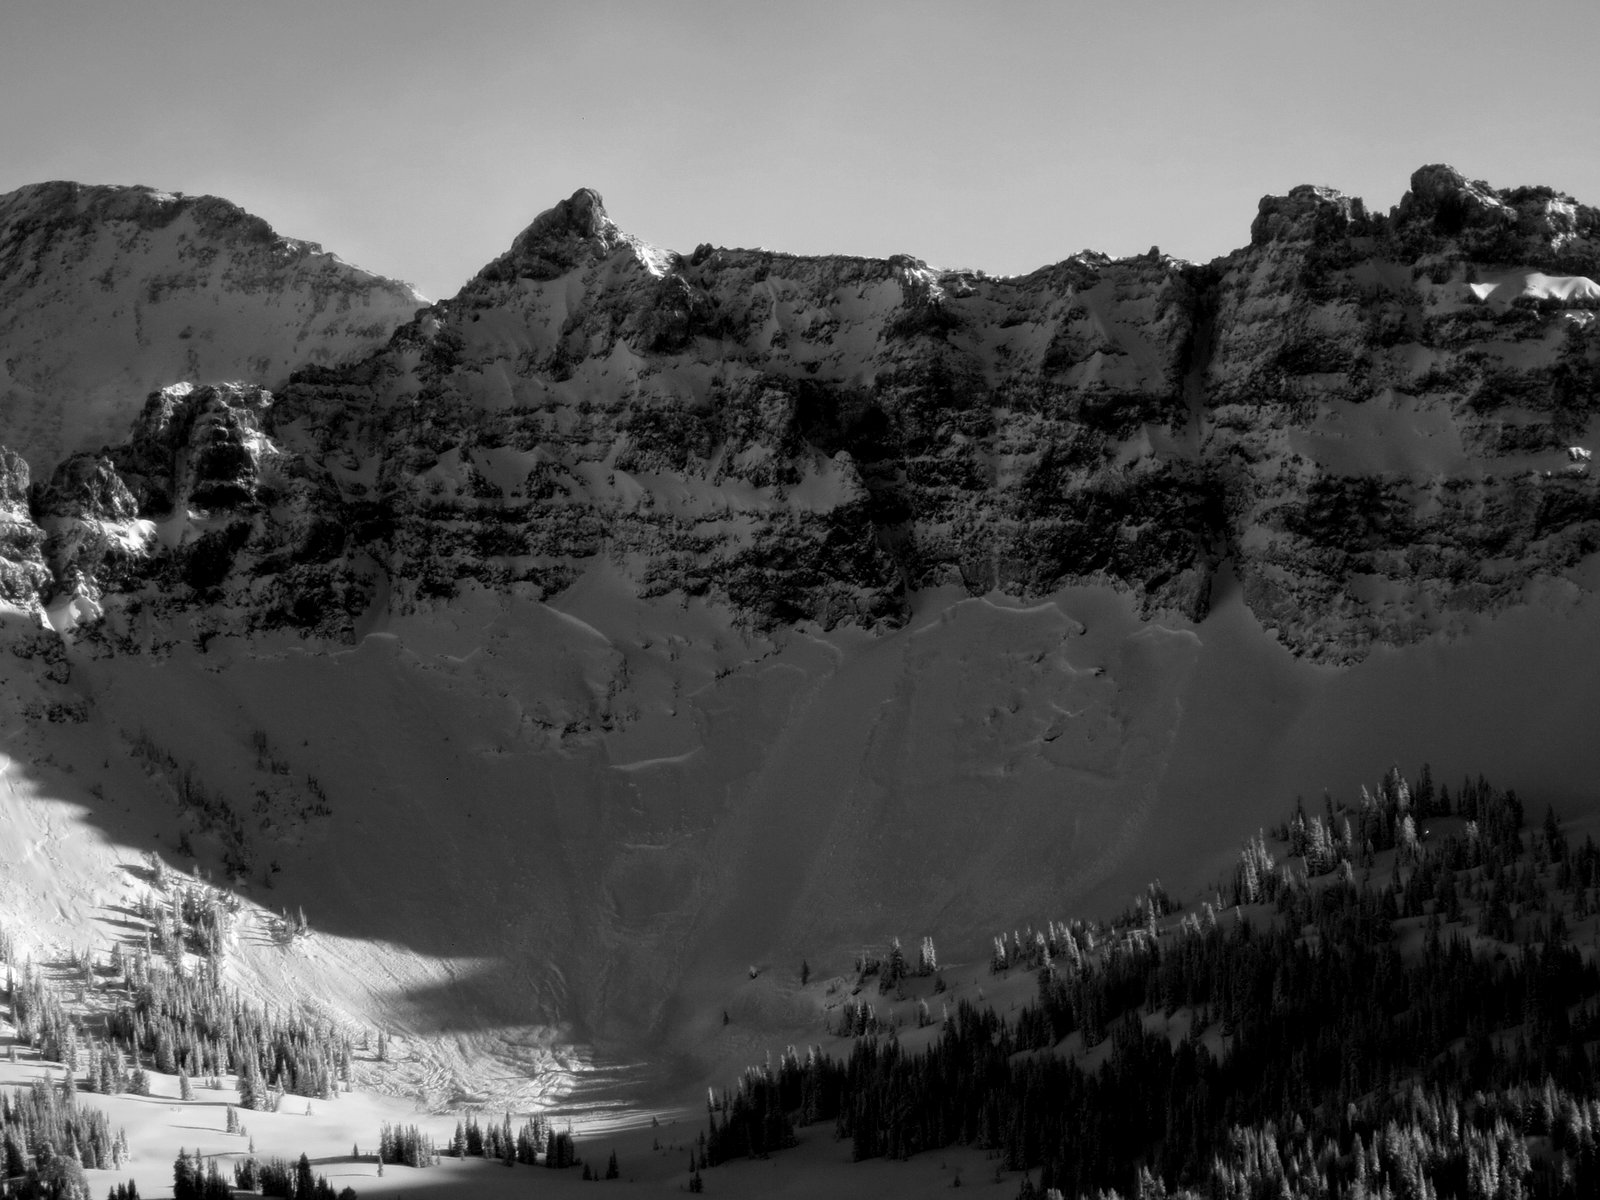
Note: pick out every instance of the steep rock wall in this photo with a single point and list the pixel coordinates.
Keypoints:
(1366, 417)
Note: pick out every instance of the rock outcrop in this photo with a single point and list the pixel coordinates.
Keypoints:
(200, 512)
(23, 574)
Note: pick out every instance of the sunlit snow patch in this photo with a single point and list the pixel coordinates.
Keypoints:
(67, 614)
(1569, 289)
(657, 261)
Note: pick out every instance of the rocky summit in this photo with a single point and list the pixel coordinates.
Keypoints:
(1377, 423)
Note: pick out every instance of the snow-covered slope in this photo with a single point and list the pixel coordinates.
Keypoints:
(549, 838)
(107, 293)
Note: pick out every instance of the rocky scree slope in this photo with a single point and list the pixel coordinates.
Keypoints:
(109, 292)
(1365, 418)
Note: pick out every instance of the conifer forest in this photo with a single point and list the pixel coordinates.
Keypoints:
(1363, 1012)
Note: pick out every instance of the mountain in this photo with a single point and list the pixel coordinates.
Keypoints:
(1366, 417)
(632, 625)
(107, 293)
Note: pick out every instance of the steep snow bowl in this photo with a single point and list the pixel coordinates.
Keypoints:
(573, 853)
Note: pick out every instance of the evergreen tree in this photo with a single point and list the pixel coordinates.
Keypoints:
(185, 1177)
(251, 1095)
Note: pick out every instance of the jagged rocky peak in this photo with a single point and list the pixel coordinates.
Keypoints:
(580, 216)
(559, 239)
(1307, 213)
(109, 292)
(1536, 224)
(800, 436)
(1443, 212)
(1441, 195)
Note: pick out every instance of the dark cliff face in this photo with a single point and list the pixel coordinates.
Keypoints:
(1391, 400)
(23, 575)
(1364, 416)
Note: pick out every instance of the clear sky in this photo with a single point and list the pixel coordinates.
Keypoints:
(417, 139)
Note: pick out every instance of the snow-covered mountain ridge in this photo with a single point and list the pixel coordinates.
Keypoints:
(1366, 416)
(107, 293)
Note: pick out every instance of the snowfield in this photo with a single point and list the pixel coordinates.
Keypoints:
(561, 835)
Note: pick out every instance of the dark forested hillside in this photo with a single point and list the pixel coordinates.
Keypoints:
(1398, 1007)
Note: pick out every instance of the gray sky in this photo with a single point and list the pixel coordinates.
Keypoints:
(417, 139)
